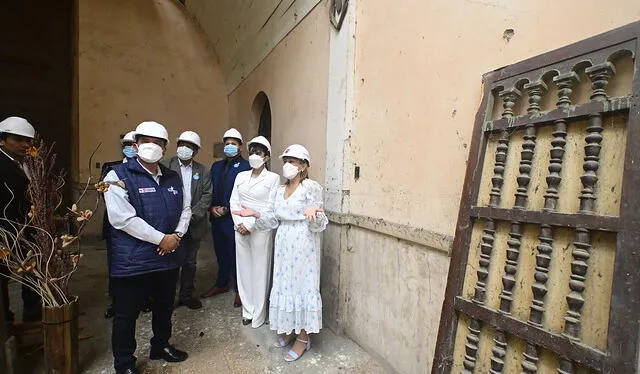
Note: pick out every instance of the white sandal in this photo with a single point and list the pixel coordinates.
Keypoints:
(293, 356)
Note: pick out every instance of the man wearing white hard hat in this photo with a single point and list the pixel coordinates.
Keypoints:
(16, 137)
(126, 146)
(149, 212)
(257, 189)
(197, 179)
(223, 175)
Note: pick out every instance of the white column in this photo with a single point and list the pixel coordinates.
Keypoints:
(340, 111)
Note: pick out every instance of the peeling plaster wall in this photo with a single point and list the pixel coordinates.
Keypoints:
(144, 60)
(294, 76)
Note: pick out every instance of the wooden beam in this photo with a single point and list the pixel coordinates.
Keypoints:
(560, 344)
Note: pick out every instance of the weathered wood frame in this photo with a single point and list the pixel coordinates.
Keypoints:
(624, 324)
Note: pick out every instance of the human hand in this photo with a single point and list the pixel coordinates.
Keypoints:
(168, 244)
(246, 212)
(310, 213)
(242, 230)
(217, 211)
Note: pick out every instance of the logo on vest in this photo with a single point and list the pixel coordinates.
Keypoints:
(146, 190)
(172, 190)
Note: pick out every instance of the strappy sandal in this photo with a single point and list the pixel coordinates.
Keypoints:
(293, 356)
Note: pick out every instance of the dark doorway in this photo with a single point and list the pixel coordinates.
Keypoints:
(261, 113)
(265, 120)
(37, 69)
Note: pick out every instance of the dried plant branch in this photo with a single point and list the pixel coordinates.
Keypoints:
(38, 252)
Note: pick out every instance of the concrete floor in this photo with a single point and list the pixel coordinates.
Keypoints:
(214, 336)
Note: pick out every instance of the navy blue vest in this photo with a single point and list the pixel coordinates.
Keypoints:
(158, 205)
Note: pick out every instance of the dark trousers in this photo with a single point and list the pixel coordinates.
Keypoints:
(129, 295)
(224, 243)
(188, 272)
(31, 302)
(107, 240)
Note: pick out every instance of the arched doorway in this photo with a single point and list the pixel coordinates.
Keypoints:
(261, 110)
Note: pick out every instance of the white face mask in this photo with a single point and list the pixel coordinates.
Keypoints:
(185, 153)
(289, 171)
(256, 161)
(150, 152)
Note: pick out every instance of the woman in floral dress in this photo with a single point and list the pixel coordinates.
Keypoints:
(295, 302)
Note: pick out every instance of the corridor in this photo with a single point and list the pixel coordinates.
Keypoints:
(213, 336)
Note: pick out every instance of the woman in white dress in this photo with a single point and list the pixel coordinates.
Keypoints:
(295, 303)
(254, 188)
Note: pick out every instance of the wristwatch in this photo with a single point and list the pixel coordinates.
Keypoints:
(179, 234)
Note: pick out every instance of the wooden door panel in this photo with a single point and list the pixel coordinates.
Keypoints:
(544, 271)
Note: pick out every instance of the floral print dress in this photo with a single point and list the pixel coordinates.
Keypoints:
(295, 301)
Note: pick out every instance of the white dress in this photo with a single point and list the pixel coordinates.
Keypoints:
(295, 301)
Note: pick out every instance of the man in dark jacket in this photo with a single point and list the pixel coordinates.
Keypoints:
(223, 176)
(16, 137)
(149, 213)
(195, 178)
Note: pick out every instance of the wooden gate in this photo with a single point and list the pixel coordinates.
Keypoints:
(545, 271)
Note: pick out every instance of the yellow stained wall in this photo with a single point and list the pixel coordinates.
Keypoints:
(295, 77)
(418, 86)
(144, 60)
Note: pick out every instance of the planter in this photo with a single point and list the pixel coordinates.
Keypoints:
(60, 329)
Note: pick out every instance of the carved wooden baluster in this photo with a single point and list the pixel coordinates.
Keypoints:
(565, 84)
(535, 90)
(599, 75)
(509, 98)
(499, 349)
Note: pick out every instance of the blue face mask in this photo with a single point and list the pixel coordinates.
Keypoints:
(230, 150)
(129, 152)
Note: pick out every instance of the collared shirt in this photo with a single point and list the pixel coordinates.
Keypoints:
(21, 165)
(122, 215)
(187, 174)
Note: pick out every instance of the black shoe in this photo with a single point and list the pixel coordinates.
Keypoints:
(191, 303)
(168, 354)
(246, 321)
(109, 312)
(128, 371)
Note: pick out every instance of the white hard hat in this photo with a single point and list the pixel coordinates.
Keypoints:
(297, 151)
(232, 133)
(129, 137)
(260, 140)
(17, 126)
(152, 128)
(191, 137)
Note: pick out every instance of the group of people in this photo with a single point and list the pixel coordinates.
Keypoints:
(156, 215)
